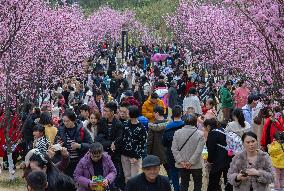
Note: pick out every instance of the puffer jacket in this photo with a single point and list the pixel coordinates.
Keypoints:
(259, 183)
(148, 109)
(154, 141)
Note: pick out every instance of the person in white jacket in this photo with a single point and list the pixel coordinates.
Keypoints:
(192, 101)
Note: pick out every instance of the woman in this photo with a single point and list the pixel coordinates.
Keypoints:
(72, 135)
(50, 130)
(94, 163)
(56, 180)
(92, 124)
(241, 94)
(238, 125)
(251, 169)
(210, 113)
(218, 161)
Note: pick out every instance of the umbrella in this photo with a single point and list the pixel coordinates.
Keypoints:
(159, 57)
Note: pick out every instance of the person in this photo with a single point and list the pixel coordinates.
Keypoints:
(247, 109)
(276, 153)
(272, 124)
(84, 113)
(168, 135)
(218, 161)
(96, 162)
(150, 179)
(124, 112)
(37, 181)
(238, 125)
(109, 132)
(40, 141)
(132, 144)
(72, 135)
(192, 101)
(226, 100)
(93, 123)
(148, 106)
(57, 181)
(172, 97)
(49, 129)
(187, 146)
(241, 94)
(252, 168)
(97, 104)
(154, 140)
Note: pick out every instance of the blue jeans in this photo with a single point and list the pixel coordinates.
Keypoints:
(174, 173)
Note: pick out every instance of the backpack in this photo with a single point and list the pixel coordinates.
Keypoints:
(234, 142)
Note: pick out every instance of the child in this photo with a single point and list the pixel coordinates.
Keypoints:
(276, 152)
(40, 141)
(36, 181)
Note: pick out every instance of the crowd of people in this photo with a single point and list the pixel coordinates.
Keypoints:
(114, 129)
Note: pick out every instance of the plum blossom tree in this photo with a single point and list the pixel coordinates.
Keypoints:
(234, 39)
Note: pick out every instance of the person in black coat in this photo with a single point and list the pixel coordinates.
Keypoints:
(73, 136)
(149, 180)
(109, 133)
(218, 160)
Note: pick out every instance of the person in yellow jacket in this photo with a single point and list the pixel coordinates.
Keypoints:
(276, 152)
(149, 104)
(50, 129)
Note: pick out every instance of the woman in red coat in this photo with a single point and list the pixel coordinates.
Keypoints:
(271, 126)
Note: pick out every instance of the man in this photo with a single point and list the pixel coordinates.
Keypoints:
(149, 180)
(247, 109)
(192, 101)
(109, 133)
(226, 100)
(84, 113)
(148, 106)
(123, 112)
(168, 135)
(172, 97)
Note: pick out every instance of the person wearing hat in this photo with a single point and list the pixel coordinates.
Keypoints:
(149, 180)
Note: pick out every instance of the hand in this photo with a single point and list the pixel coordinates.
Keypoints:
(93, 185)
(133, 160)
(112, 147)
(105, 182)
(252, 172)
(64, 152)
(75, 146)
(188, 165)
(50, 152)
(241, 177)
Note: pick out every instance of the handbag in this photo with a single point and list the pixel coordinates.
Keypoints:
(186, 140)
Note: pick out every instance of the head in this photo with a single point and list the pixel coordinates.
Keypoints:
(253, 100)
(38, 131)
(228, 84)
(210, 124)
(95, 117)
(85, 111)
(242, 83)
(110, 109)
(250, 141)
(202, 84)
(238, 116)
(99, 95)
(158, 111)
(151, 167)
(69, 119)
(190, 110)
(192, 91)
(96, 151)
(134, 112)
(65, 183)
(45, 118)
(279, 136)
(36, 181)
(123, 110)
(154, 98)
(177, 112)
(190, 120)
(210, 103)
(128, 93)
(174, 83)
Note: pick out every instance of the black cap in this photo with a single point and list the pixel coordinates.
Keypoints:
(151, 160)
(128, 93)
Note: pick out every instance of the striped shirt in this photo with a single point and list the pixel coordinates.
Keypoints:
(42, 144)
(73, 153)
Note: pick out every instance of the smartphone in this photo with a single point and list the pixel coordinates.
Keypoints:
(244, 174)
